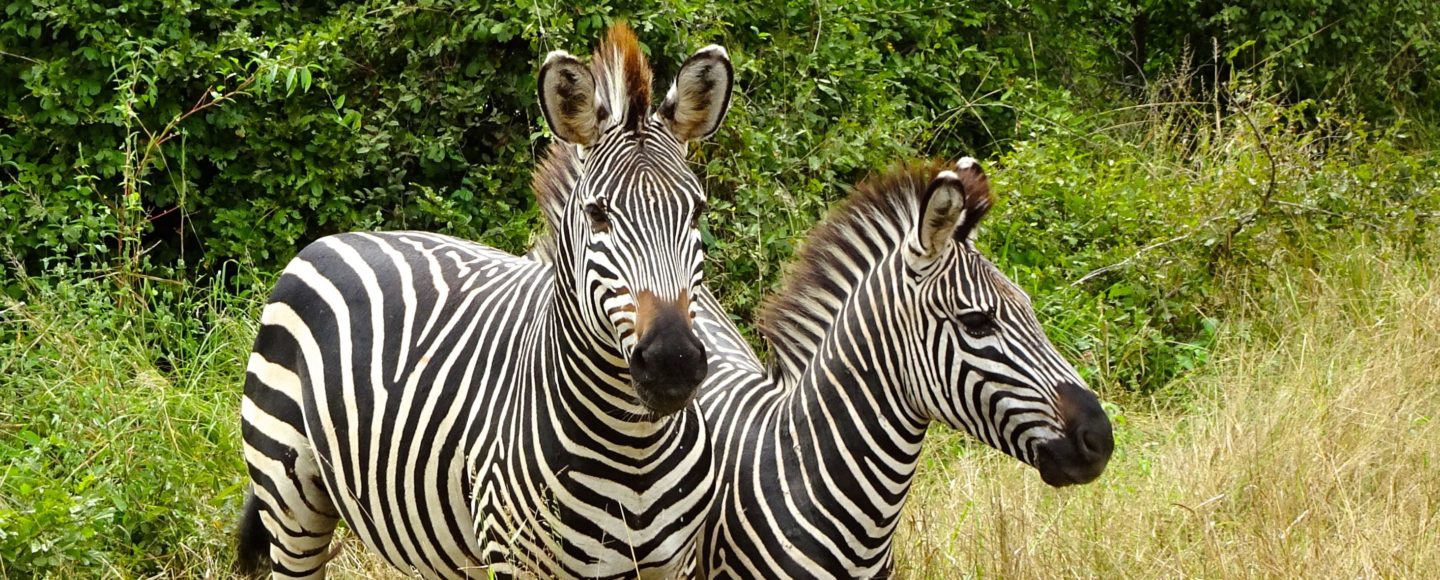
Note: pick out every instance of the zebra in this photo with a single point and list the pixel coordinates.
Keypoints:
(467, 411)
(891, 319)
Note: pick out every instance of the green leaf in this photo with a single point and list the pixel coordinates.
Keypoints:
(290, 81)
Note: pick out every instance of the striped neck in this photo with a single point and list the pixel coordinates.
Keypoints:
(851, 408)
(865, 230)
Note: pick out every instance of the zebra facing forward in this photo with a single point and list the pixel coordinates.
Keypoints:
(469, 412)
(890, 320)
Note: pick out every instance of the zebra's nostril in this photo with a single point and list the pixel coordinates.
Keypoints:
(1095, 440)
(1088, 441)
(1088, 426)
(701, 367)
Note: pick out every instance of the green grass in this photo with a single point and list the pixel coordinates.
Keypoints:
(113, 465)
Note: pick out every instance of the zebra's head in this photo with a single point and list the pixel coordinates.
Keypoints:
(629, 222)
(990, 369)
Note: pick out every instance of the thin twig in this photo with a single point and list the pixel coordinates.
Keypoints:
(1128, 261)
(1311, 208)
(21, 57)
(1215, 87)
(819, 26)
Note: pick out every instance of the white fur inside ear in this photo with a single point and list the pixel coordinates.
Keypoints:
(568, 99)
(965, 163)
(947, 174)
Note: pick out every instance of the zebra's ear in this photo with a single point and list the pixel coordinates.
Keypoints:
(977, 199)
(567, 97)
(700, 95)
(942, 206)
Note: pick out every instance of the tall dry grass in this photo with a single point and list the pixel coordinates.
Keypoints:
(1310, 448)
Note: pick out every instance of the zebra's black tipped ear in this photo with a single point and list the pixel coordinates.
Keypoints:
(942, 206)
(567, 97)
(977, 198)
(699, 98)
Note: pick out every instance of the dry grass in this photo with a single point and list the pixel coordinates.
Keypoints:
(358, 562)
(1310, 449)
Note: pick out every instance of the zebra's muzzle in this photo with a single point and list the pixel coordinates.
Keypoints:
(668, 363)
(1082, 453)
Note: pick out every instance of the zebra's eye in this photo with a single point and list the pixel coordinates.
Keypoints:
(700, 210)
(978, 324)
(599, 213)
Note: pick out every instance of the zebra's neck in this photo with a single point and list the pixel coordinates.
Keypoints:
(829, 456)
(849, 413)
(836, 258)
(592, 380)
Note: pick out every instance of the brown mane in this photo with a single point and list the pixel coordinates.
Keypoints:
(622, 77)
(864, 228)
(552, 182)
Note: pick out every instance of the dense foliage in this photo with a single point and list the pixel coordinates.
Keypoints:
(159, 161)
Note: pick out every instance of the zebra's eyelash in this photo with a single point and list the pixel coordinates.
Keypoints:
(978, 323)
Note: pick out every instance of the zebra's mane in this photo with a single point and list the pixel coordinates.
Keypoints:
(553, 181)
(622, 78)
(837, 254)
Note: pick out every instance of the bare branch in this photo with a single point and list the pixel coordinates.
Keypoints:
(1128, 261)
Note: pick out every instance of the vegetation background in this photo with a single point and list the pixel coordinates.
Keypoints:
(1225, 211)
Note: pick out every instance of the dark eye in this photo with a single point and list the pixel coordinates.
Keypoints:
(700, 210)
(599, 213)
(978, 324)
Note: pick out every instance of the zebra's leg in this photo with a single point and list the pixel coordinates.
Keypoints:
(290, 499)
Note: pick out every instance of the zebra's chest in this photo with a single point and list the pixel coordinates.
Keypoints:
(560, 501)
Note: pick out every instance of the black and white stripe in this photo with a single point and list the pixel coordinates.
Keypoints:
(890, 321)
(470, 412)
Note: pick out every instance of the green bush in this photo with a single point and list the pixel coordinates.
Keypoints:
(170, 140)
(1376, 59)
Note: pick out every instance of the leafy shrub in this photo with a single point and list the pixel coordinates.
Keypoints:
(1377, 59)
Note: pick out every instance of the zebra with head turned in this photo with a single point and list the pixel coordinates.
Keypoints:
(890, 320)
(467, 411)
